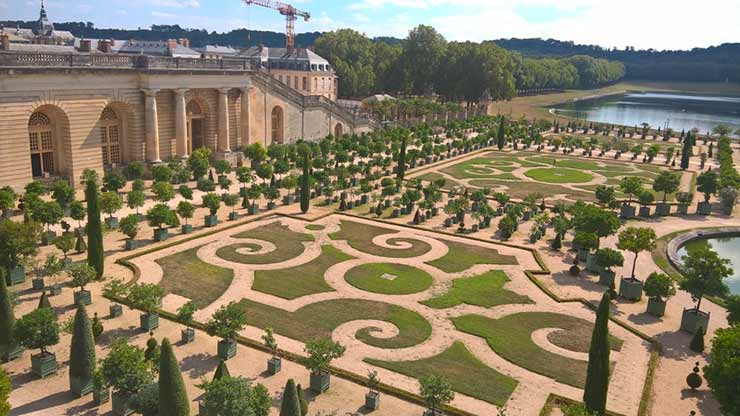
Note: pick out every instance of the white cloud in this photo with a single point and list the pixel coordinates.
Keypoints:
(164, 15)
(178, 4)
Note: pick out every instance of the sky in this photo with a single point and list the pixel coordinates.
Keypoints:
(643, 24)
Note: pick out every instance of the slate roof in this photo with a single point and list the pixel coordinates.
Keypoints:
(300, 59)
(144, 47)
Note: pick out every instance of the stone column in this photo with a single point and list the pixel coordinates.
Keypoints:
(244, 120)
(223, 120)
(152, 126)
(181, 134)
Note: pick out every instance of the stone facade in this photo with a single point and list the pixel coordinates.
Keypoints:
(63, 114)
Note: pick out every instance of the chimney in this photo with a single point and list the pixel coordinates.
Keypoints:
(85, 45)
(104, 46)
(4, 41)
(184, 42)
(171, 45)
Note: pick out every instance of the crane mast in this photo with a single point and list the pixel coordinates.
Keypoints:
(291, 15)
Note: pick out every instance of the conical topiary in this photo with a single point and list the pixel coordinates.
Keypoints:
(302, 400)
(95, 255)
(221, 371)
(694, 379)
(305, 183)
(44, 301)
(7, 320)
(597, 375)
(80, 246)
(97, 326)
(290, 405)
(697, 342)
(173, 399)
(82, 353)
(152, 351)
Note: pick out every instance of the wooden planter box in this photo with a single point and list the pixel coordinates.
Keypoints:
(274, 365)
(115, 310)
(288, 199)
(83, 296)
(320, 382)
(48, 238)
(55, 290)
(727, 209)
(81, 386)
(121, 404)
(627, 211)
(131, 244)
(211, 220)
(430, 412)
(16, 275)
(226, 349)
(662, 209)
(112, 223)
(656, 307)
(270, 206)
(645, 211)
(704, 208)
(38, 283)
(683, 209)
(606, 277)
(186, 228)
(692, 320)
(372, 400)
(187, 335)
(591, 264)
(44, 364)
(233, 216)
(101, 396)
(583, 254)
(12, 353)
(161, 234)
(630, 289)
(149, 322)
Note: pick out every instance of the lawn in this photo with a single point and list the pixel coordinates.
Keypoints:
(485, 290)
(462, 256)
(399, 279)
(306, 279)
(359, 236)
(511, 338)
(558, 175)
(187, 275)
(289, 245)
(519, 190)
(319, 320)
(466, 373)
(315, 227)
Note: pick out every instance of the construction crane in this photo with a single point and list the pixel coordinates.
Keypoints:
(291, 15)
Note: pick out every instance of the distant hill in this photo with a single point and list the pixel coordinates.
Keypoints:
(716, 63)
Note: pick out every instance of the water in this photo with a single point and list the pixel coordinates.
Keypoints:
(727, 248)
(680, 111)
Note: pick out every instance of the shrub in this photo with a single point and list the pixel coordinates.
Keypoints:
(694, 378)
(722, 372)
(659, 286)
(130, 226)
(146, 297)
(38, 329)
(82, 350)
(321, 353)
(697, 341)
(436, 391)
(227, 321)
(125, 369)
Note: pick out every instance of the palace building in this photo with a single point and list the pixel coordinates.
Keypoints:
(71, 105)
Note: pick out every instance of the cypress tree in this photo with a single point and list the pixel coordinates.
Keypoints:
(697, 341)
(82, 352)
(597, 376)
(173, 399)
(94, 229)
(302, 400)
(305, 183)
(500, 138)
(686, 152)
(221, 371)
(401, 169)
(290, 405)
(7, 320)
(5, 387)
(44, 301)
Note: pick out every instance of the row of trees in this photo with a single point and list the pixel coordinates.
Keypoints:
(458, 71)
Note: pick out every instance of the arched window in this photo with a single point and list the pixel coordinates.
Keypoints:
(277, 125)
(110, 133)
(41, 140)
(338, 130)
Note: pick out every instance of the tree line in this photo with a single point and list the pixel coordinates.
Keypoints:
(426, 62)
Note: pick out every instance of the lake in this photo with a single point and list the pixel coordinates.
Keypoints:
(727, 248)
(678, 110)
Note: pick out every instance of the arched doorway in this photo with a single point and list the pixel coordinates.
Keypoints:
(277, 125)
(110, 137)
(42, 137)
(196, 123)
(338, 130)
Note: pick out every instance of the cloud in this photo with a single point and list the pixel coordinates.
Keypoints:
(177, 4)
(164, 15)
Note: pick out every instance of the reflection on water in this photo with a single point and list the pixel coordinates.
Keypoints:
(727, 248)
(678, 111)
